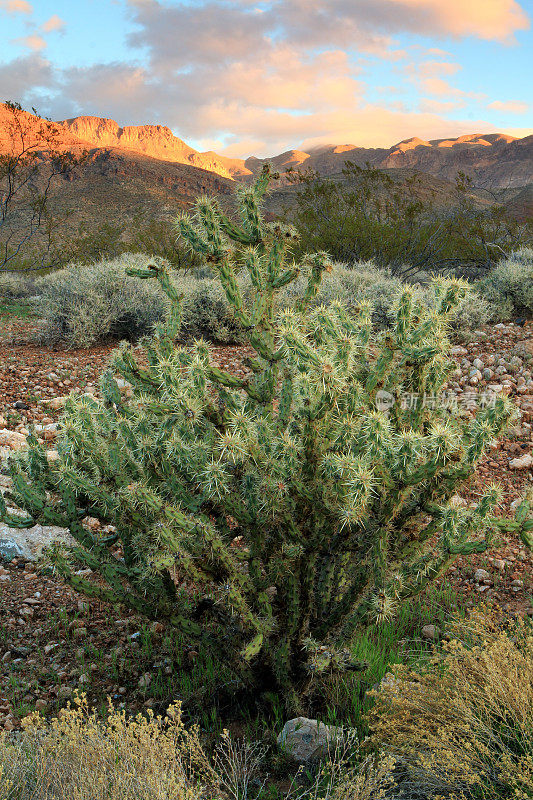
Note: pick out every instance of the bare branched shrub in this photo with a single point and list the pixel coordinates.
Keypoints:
(345, 776)
(464, 727)
(238, 764)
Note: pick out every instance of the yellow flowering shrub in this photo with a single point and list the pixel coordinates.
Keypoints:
(78, 756)
(463, 727)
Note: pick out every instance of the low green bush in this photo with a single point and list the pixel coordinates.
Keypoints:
(14, 286)
(509, 286)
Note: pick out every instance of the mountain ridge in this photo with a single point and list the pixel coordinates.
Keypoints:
(494, 160)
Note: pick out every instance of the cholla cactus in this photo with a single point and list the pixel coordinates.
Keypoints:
(269, 517)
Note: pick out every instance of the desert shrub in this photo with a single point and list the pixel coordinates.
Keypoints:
(206, 312)
(15, 287)
(509, 286)
(78, 756)
(463, 727)
(268, 517)
(368, 213)
(365, 281)
(81, 305)
(81, 756)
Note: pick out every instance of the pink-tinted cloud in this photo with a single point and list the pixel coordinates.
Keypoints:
(509, 106)
(33, 42)
(16, 6)
(55, 23)
(485, 19)
(268, 74)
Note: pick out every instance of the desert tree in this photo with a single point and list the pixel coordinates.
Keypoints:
(30, 163)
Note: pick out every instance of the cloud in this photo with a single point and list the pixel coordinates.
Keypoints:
(267, 74)
(485, 19)
(23, 78)
(16, 6)
(55, 23)
(509, 106)
(33, 42)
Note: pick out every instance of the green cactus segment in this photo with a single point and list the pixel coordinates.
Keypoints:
(268, 517)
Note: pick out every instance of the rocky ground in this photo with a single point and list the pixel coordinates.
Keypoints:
(52, 641)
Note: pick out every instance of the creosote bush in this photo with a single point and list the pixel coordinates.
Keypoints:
(271, 516)
(463, 728)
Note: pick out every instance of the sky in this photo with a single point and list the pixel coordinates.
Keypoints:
(260, 77)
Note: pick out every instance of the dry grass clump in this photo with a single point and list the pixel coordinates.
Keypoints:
(80, 757)
(464, 727)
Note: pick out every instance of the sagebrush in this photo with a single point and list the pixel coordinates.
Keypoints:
(81, 305)
(509, 286)
(464, 726)
(86, 304)
(268, 517)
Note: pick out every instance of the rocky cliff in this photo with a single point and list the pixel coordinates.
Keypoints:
(156, 141)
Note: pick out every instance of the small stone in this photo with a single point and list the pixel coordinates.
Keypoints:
(430, 632)
(12, 439)
(524, 462)
(57, 403)
(64, 692)
(41, 705)
(144, 681)
(482, 576)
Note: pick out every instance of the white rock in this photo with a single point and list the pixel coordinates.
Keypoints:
(306, 739)
(12, 439)
(30, 542)
(524, 462)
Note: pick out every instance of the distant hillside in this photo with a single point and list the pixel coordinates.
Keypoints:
(134, 169)
(494, 160)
